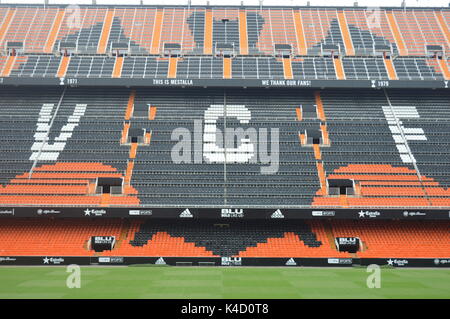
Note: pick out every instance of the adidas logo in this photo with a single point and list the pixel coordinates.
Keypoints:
(160, 261)
(291, 262)
(186, 214)
(277, 214)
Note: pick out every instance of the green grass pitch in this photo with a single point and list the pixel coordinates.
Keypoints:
(215, 282)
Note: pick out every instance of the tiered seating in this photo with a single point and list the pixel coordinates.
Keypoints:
(286, 239)
(321, 26)
(159, 180)
(175, 28)
(12, 64)
(137, 24)
(278, 28)
(360, 145)
(363, 148)
(200, 68)
(146, 67)
(414, 68)
(434, 114)
(53, 237)
(226, 32)
(234, 238)
(91, 67)
(397, 239)
(37, 66)
(93, 150)
(364, 69)
(94, 29)
(85, 31)
(31, 25)
(366, 28)
(298, 240)
(418, 29)
(18, 116)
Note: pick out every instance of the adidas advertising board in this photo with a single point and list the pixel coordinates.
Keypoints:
(277, 214)
(160, 261)
(291, 262)
(186, 214)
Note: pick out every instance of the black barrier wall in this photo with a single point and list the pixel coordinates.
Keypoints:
(222, 261)
(224, 213)
(265, 83)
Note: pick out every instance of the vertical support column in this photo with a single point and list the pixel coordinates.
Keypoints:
(63, 66)
(172, 71)
(443, 25)
(396, 33)
(326, 141)
(444, 68)
(300, 33)
(133, 147)
(287, 69)
(6, 22)
(152, 112)
(133, 150)
(348, 43)
(299, 113)
(339, 68)
(319, 104)
(157, 28)
(227, 68)
(103, 43)
(390, 69)
(117, 71)
(130, 106)
(126, 128)
(129, 173)
(54, 31)
(8, 65)
(208, 37)
(243, 37)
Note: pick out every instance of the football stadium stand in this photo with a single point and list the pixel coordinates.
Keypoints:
(112, 121)
(314, 239)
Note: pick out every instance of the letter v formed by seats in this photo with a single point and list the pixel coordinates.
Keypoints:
(42, 149)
